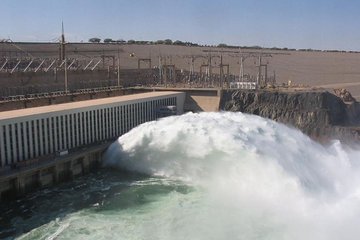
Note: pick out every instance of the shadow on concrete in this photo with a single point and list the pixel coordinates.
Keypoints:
(191, 105)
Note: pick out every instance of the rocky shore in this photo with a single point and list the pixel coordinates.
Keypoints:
(319, 114)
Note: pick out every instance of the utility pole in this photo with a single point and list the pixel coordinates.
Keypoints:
(274, 81)
(118, 69)
(209, 68)
(265, 74)
(62, 43)
(160, 69)
(165, 71)
(259, 72)
(221, 71)
(241, 76)
(170, 69)
(63, 56)
(192, 61)
(66, 76)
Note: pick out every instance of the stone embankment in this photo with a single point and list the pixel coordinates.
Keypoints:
(319, 114)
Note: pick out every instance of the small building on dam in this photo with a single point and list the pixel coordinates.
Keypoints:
(33, 138)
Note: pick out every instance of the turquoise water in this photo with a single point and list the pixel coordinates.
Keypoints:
(203, 176)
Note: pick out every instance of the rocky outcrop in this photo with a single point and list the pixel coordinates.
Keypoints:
(318, 114)
(344, 94)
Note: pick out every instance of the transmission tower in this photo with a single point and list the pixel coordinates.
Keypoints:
(62, 44)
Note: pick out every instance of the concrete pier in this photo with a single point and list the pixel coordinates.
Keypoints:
(17, 182)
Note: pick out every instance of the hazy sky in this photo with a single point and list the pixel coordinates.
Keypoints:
(318, 24)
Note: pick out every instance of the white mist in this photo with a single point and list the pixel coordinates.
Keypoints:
(255, 179)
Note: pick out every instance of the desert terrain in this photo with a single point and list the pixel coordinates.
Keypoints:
(327, 70)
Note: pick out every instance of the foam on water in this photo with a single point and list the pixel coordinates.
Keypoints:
(246, 178)
(261, 179)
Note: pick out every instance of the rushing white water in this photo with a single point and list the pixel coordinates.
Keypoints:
(255, 179)
(218, 176)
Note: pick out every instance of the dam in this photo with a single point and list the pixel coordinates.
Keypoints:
(47, 144)
(42, 145)
(208, 169)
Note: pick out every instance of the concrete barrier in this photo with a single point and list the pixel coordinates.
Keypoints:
(24, 179)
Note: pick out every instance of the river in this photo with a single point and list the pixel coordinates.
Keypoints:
(202, 176)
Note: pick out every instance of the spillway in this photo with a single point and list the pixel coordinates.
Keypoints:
(207, 176)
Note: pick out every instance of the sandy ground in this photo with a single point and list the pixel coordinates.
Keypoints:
(322, 69)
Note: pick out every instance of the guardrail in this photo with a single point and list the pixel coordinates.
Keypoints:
(58, 93)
